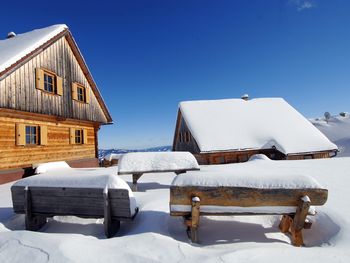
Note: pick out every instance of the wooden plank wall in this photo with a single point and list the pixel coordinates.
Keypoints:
(181, 127)
(17, 90)
(58, 147)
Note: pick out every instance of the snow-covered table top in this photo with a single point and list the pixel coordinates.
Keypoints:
(231, 179)
(77, 177)
(258, 172)
(143, 162)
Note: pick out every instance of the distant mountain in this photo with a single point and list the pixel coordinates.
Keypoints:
(104, 152)
(337, 129)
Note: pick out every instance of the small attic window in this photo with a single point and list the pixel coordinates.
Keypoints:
(50, 82)
(81, 93)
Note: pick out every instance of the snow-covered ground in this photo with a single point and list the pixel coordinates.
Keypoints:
(155, 236)
(337, 129)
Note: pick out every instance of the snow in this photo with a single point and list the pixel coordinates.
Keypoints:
(79, 177)
(155, 236)
(156, 161)
(249, 175)
(112, 156)
(337, 129)
(236, 124)
(45, 167)
(13, 49)
(240, 209)
(246, 175)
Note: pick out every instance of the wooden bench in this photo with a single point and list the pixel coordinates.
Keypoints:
(139, 163)
(191, 201)
(38, 203)
(137, 174)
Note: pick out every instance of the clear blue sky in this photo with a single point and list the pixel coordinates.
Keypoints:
(147, 56)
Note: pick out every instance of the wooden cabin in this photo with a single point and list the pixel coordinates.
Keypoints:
(232, 130)
(50, 106)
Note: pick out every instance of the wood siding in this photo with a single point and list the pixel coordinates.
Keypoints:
(18, 90)
(58, 143)
(178, 145)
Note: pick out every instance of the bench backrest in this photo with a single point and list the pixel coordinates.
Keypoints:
(244, 197)
(84, 202)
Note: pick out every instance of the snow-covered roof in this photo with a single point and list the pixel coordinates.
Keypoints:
(15, 48)
(236, 124)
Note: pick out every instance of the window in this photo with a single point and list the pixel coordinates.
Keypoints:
(32, 135)
(79, 136)
(50, 82)
(81, 93)
(187, 137)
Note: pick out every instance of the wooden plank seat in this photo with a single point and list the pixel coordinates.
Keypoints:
(294, 204)
(38, 203)
(140, 163)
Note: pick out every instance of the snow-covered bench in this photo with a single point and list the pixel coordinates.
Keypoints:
(223, 193)
(111, 159)
(155, 162)
(87, 193)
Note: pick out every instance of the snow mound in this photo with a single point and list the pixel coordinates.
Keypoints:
(45, 167)
(156, 161)
(259, 157)
(337, 129)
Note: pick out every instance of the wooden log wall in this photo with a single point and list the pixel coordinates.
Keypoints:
(18, 90)
(58, 144)
(184, 145)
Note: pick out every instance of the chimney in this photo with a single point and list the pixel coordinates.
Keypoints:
(11, 34)
(245, 97)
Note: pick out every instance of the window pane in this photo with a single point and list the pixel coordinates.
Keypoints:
(50, 79)
(27, 139)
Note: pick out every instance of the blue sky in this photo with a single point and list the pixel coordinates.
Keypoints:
(147, 56)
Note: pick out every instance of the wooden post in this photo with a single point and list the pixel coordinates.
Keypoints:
(135, 177)
(299, 221)
(285, 223)
(111, 226)
(195, 213)
(32, 222)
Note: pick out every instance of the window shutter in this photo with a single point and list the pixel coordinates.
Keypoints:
(43, 135)
(59, 86)
(39, 78)
(72, 136)
(74, 91)
(20, 134)
(85, 136)
(87, 95)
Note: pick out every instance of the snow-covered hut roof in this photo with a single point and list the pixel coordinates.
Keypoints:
(14, 48)
(236, 124)
(19, 46)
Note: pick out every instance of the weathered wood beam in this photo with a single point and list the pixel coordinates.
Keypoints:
(111, 226)
(32, 222)
(245, 197)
